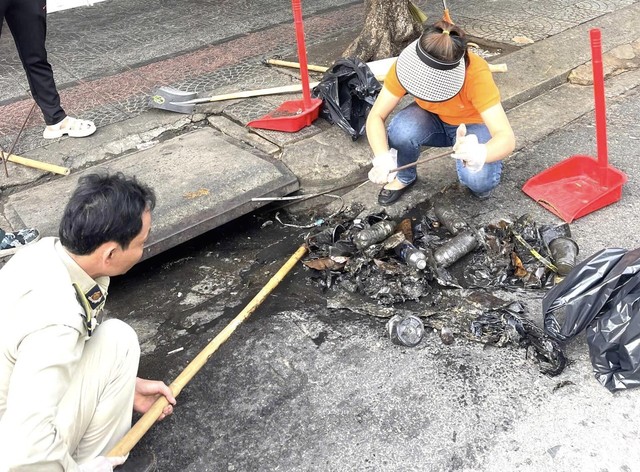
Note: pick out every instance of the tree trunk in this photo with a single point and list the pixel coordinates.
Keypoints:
(388, 28)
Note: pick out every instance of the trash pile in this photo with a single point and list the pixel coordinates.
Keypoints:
(376, 266)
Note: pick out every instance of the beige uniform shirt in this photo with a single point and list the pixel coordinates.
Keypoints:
(43, 330)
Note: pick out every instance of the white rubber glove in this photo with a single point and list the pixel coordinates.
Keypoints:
(102, 464)
(382, 164)
(468, 149)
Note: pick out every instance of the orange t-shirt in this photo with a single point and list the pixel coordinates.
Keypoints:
(479, 92)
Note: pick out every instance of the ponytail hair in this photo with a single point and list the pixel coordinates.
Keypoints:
(444, 41)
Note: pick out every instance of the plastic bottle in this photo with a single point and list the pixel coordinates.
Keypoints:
(411, 255)
(448, 217)
(374, 234)
(407, 331)
(455, 249)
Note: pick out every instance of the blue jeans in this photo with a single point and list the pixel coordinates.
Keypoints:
(413, 127)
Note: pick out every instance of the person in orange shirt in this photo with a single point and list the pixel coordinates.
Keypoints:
(456, 104)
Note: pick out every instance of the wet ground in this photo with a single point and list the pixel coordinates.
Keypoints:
(299, 382)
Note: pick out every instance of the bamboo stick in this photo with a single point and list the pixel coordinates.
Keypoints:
(25, 161)
(138, 430)
(502, 67)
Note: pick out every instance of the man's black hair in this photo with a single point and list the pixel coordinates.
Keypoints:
(103, 208)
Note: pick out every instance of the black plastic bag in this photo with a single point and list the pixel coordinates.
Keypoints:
(601, 296)
(348, 90)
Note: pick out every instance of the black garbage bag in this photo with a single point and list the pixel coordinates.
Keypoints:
(348, 90)
(601, 296)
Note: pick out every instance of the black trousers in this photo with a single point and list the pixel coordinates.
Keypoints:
(27, 20)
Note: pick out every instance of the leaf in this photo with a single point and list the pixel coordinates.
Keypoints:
(522, 40)
(324, 263)
(519, 270)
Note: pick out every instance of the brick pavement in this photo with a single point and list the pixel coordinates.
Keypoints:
(108, 58)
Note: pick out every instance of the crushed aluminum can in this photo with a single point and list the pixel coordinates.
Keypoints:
(405, 331)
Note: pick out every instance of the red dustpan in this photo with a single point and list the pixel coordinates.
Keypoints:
(294, 115)
(581, 184)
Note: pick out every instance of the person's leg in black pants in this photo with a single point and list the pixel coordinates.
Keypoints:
(27, 20)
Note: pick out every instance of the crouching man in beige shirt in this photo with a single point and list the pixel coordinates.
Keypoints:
(68, 386)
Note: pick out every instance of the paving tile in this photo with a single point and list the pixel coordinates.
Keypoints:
(503, 29)
(133, 106)
(80, 63)
(11, 86)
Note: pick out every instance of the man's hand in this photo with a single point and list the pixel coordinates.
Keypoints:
(147, 392)
(467, 149)
(382, 164)
(102, 464)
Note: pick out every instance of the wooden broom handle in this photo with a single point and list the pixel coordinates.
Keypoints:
(277, 62)
(147, 420)
(36, 164)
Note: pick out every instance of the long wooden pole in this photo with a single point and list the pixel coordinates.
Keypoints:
(248, 94)
(36, 164)
(147, 420)
(502, 67)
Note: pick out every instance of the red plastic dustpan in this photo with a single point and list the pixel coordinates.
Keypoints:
(581, 184)
(293, 115)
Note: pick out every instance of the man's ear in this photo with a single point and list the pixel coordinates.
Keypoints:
(107, 252)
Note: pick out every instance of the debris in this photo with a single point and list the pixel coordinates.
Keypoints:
(446, 335)
(376, 233)
(405, 331)
(406, 228)
(447, 216)
(564, 252)
(455, 249)
(376, 275)
(325, 263)
(522, 40)
(146, 145)
(176, 350)
(559, 385)
(411, 255)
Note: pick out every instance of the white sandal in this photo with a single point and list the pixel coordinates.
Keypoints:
(74, 127)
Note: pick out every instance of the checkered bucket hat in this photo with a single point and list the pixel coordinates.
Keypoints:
(428, 78)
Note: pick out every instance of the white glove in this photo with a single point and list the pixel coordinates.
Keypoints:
(382, 164)
(469, 150)
(102, 464)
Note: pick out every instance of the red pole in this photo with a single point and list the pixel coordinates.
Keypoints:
(302, 52)
(598, 94)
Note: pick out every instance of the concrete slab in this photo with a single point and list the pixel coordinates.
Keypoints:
(202, 180)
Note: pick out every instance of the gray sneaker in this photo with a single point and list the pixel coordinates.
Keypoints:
(15, 240)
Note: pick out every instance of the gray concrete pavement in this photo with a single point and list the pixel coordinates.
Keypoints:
(203, 180)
